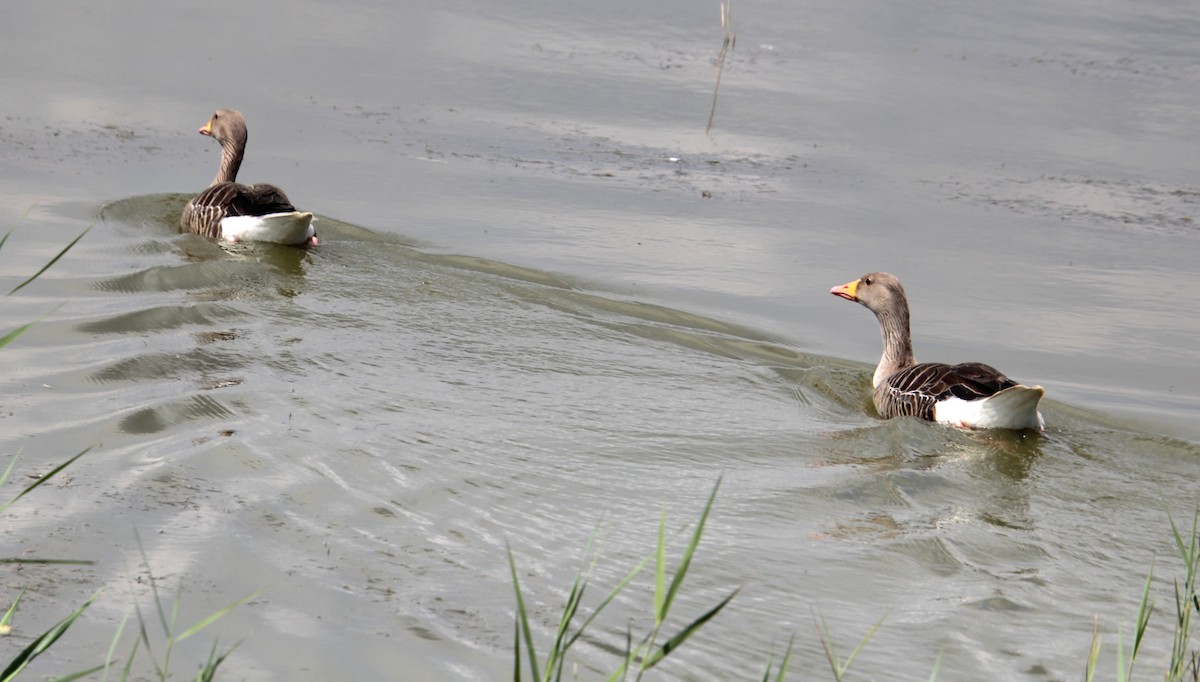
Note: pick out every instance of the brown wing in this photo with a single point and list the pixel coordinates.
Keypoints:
(913, 391)
(204, 213)
(261, 199)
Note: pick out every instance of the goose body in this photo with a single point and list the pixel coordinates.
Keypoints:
(971, 394)
(235, 212)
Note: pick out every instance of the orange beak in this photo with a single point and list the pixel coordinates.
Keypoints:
(847, 291)
(207, 129)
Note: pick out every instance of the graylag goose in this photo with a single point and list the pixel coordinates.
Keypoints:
(235, 212)
(970, 395)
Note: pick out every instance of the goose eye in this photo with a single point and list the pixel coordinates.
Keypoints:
(867, 281)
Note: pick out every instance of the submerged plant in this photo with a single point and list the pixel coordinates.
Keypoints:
(650, 649)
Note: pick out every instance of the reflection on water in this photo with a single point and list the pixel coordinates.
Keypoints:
(365, 426)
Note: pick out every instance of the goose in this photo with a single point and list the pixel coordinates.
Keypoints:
(969, 395)
(235, 212)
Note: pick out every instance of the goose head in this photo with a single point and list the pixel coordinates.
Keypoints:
(226, 126)
(880, 292)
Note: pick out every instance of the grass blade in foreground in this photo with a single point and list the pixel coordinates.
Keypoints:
(12, 335)
(43, 642)
(168, 623)
(839, 666)
(52, 261)
(1184, 664)
(1185, 600)
(664, 596)
(40, 480)
(523, 619)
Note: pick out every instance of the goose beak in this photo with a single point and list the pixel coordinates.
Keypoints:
(206, 129)
(846, 291)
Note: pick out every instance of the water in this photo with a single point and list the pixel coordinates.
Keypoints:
(546, 299)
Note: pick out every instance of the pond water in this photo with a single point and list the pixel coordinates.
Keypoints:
(547, 298)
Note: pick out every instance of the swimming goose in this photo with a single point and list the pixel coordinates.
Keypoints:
(971, 395)
(235, 212)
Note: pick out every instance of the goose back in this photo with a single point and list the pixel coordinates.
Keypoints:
(916, 390)
(204, 213)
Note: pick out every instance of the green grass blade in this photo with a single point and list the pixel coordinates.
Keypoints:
(44, 478)
(43, 642)
(839, 666)
(534, 666)
(6, 621)
(937, 665)
(827, 645)
(556, 658)
(863, 643)
(770, 662)
(79, 675)
(621, 671)
(611, 595)
(112, 648)
(787, 660)
(660, 570)
(1093, 658)
(1185, 599)
(162, 615)
(517, 648)
(1145, 608)
(680, 637)
(1186, 551)
(8, 471)
(169, 629)
(144, 637)
(208, 671)
(830, 649)
(686, 561)
(129, 661)
(558, 650)
(52, 261)
(215, 616)
(583, 577)
(12, 336)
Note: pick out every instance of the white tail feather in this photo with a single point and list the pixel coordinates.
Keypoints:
(279, 228)
(1012, 408)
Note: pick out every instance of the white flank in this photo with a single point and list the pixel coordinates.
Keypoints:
(279, 228)
(1012, 408)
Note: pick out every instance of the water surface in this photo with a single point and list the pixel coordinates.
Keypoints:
(546, 297)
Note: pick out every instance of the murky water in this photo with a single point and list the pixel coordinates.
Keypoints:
(545, 298)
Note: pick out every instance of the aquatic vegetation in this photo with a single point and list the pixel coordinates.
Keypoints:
(649, 650)
(171, 633)
(41, 643)
(1184, 663)
(12, 335)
